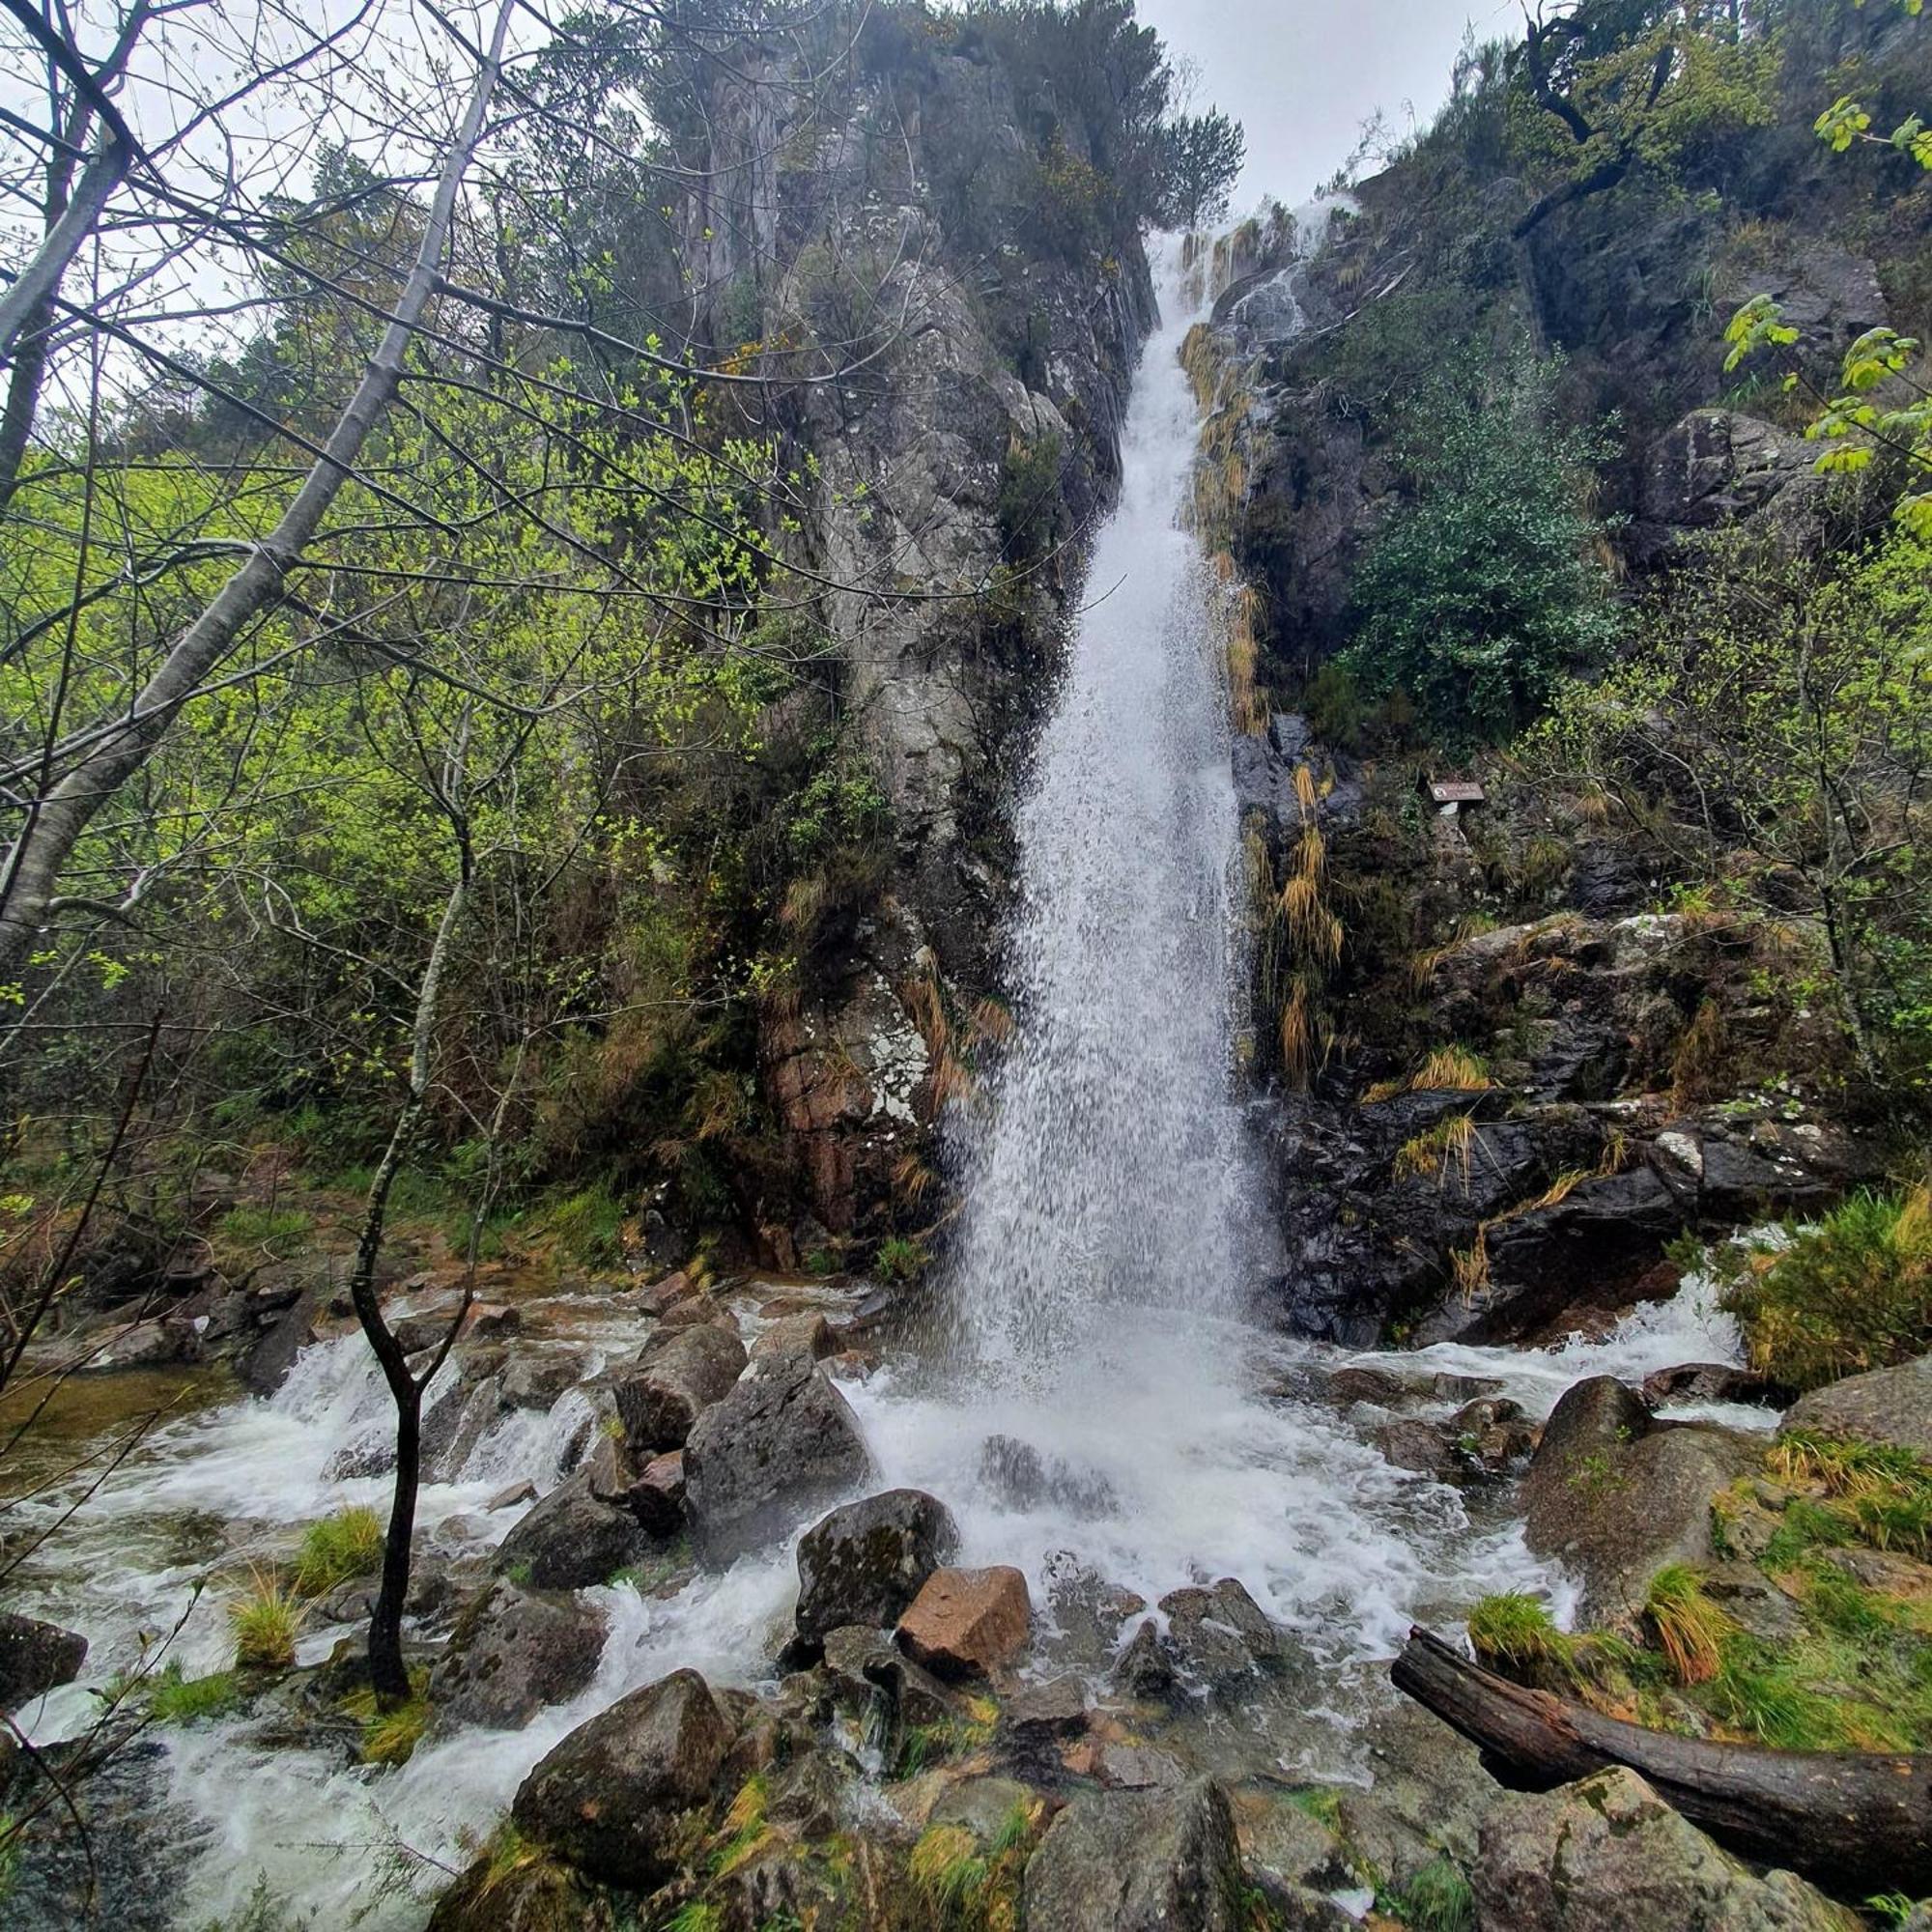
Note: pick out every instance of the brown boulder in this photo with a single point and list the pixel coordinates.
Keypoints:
(808, 1335)
(966, 1622)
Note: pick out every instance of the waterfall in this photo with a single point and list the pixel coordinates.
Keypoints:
(1105, 1170)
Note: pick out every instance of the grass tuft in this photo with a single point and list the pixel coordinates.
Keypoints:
(175, 1699)
(1690, 1627)
(949, 1873)
(265, 1619)
(348, 1544)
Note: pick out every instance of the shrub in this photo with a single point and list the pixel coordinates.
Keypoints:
(1477, 595)
(1853, 1293)
(1032, 508)
(348, 1544)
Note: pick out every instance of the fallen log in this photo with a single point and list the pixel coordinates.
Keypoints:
(1858, 1822)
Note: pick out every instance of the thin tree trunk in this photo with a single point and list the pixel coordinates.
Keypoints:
(386, 1670)
(30, 875)
(28, 296)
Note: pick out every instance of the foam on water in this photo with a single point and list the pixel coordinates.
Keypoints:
(1691, 1327)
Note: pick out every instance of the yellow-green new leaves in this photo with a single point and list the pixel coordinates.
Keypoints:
(1846, 121)
(1856, 426)
(1841, 124)
(1758, 324)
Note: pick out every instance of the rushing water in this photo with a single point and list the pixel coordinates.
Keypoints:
(1111, 1171)
(1100, 1404)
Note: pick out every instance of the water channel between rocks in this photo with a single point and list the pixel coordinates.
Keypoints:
(1145, 1434)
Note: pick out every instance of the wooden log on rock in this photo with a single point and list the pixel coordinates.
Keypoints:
(1858, 1822)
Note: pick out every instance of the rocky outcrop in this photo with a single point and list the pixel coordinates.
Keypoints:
(1139, 1861)
(1718, 467)
(1559, 1183)
(1892, 1406)
(1615, 1495)
(1608, 1851)
(866, 1563)
(781, 1442)
(609, 1798)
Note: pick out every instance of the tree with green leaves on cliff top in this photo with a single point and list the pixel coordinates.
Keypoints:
(1205, 154)
(1606, 88)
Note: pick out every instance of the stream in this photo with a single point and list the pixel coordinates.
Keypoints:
(1095, 1326)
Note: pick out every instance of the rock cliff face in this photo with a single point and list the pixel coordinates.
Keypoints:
(1625, 1074)
(952, 370)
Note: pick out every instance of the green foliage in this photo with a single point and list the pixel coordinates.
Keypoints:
(1663, 85)
(1689, 1626)
(1031, 508)
(1437, 1899)
(587, 1224)
(1851, 1292)
(175, 1698)
(391, 1730)
(348, 1544)
(901, 1260)
(265, 1619)
(277, 1231)
(841, 806)
(1516, 1631)
(1477, 595)
(1882, 1493)
(1335, 708)
(1762, 735)
(951, 1876)
(1203, 158)
(263, 1912)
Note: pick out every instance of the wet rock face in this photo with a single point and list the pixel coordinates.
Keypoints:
(1887, 1405)
(781, 1442)
(1607, 1851)
(1615, 1495)
(968, 1622)
(513, 1652)
(660, 1397)
(608, 1799)
(36, 1656)
(571, 1540)
(1570, 1013)
(1139, 1861)
(866, 1563)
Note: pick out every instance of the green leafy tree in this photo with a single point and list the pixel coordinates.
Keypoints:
(1884, 406)
(1480, 592)
(1770, 730)
(1606, 88)
(1205, 154)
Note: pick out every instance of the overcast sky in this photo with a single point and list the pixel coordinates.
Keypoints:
(1301, 75)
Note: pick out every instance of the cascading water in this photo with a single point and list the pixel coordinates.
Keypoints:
(1107, 1172)
(1100, 1407)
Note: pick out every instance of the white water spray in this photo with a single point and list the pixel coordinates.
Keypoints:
(1108, 1173)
